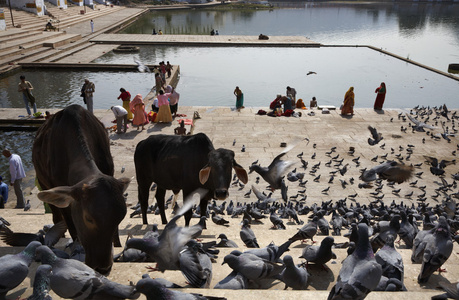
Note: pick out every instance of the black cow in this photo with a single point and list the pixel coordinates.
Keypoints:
(74, 167)
(183, 163)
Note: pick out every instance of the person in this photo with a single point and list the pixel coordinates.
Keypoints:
(169, 69)
(160, 32)
(125, 96)
(49, 26)
(212, 32)
(121, 116)
(300, 104)
(164, 112)
(47, 115)
(3, 193)
(88, 90)
(313, 102)
(276, 102)
(348, 105)
(239, 98)
(173, 102)
(181, 130)
(162, 67)
(92, 26)
(380, 96)
(25, 87)
(158, 83)
(287, 102)
(291, 93)
(17, 173)
(154, 106)
(216, 32)
(137, 107)
(154, 32)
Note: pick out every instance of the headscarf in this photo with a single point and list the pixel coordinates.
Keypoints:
(137, 100)
(382, 88)
(349, 92)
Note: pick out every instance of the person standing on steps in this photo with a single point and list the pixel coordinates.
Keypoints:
(17, 173)
(92, 26)
(25, 87)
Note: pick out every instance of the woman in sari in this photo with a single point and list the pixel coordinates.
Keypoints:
(125, 96)
(164, 112)
(239, 98)
(380, 96)
(348, 105)
(137, 107)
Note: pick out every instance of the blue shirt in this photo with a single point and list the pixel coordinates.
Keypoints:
(4, 191)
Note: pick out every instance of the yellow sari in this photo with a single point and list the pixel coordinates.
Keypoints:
(348, 105)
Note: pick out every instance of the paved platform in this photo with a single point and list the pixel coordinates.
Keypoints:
(261, 136)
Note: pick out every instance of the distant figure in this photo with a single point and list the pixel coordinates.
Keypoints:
(276, 103)
(154, 106)
(158, 83)
(381, 95)
(181, 130)
(25, 87)
(137, 107)
(348, 105)
(160, 32)
(49, 26)
(121, 116)
(263, 37)
(162, 68)
(88, 89)
(291, 93)
(300, 104)
(47, 115)
(125, 96)
(313, 102)
(17, 173)
(239, 98)
(154, 32)
(216, 32)
(169, 69)
(164, 112)
(287, 102)
(3, 193)
(212, 32)
(92, 26)
(173, 102)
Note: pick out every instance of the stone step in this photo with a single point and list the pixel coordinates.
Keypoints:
(63, 53)
(16, 57)
(62, 40)
(28, 42)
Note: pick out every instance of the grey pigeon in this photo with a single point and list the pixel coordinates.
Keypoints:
(293, 276)
(41, 283)
(15, 268)
(248, 236)
(437, 167)
(390, 170)
(319, 255)
(437, 250)
(418, 125)
(271, 252)
(154, 290)
(219, 220)
(308, 231)
(407, 230)
(234, 281)
(360, 273)
(382, 230)
(390, 260)
(252, 266)
(452, 291)
(276, 220)
(48, 236)
(376, 137)
(73, 279)
(419, 244)
(131, 254)
(195, 265)
(225, 242)
(390, 285)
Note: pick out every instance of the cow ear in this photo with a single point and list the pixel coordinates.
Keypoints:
(240, 172)
(125, 182)
(60, 196)
(204, 175)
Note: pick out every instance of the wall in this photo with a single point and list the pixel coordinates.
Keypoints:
(59, 3)
(33, 6)
(2, 20)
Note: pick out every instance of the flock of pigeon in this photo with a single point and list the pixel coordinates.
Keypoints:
(394, 200)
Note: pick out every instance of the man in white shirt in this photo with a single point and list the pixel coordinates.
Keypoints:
(17, 173)
(121, 116)
(173, 101)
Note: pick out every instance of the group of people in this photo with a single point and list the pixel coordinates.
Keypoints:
(164, 109)
(348, 105)
(160, 32)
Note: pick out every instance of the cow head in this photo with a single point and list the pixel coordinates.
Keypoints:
(218, 172)
(97, 207)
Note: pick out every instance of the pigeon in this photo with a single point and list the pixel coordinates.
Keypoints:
(407, 231)
(41, 283)
(219, 220)
(271, 252)
(336, 222)
(418, 125)
(452, 291)
(436, 167)
(438, 248)
(319, 255)
(248, 236)
(15, 268)
(308, 231)
(390, 170)
(48, 236)
(293, 276)
(225, 242)
(390, 260)
(153, 290)
(382, 230)
(27, 206)
(73, 279)
(195, 265)
(276, 220)
(251, 266)
(234, 281)
(141, 66)
(360, 273)
(376, 137)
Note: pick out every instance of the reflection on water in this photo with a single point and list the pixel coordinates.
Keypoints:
(18, 142)
(209, 75)
(426, 32)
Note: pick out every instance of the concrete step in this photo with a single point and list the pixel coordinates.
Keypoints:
(17, 36)
(63, 53)
(62, 40)
(28, 42)
(16, 57)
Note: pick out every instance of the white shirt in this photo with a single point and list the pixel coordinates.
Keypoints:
(119, 111)
(16, 168)
(174, 98)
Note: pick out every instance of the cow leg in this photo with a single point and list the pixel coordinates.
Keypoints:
(116, 238)
(143, 190)
(203, 204)
(160, 193)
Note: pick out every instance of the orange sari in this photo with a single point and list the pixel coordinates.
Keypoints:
(348, 105)
(137, 107)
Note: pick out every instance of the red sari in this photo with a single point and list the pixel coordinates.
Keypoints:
(381, 95)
